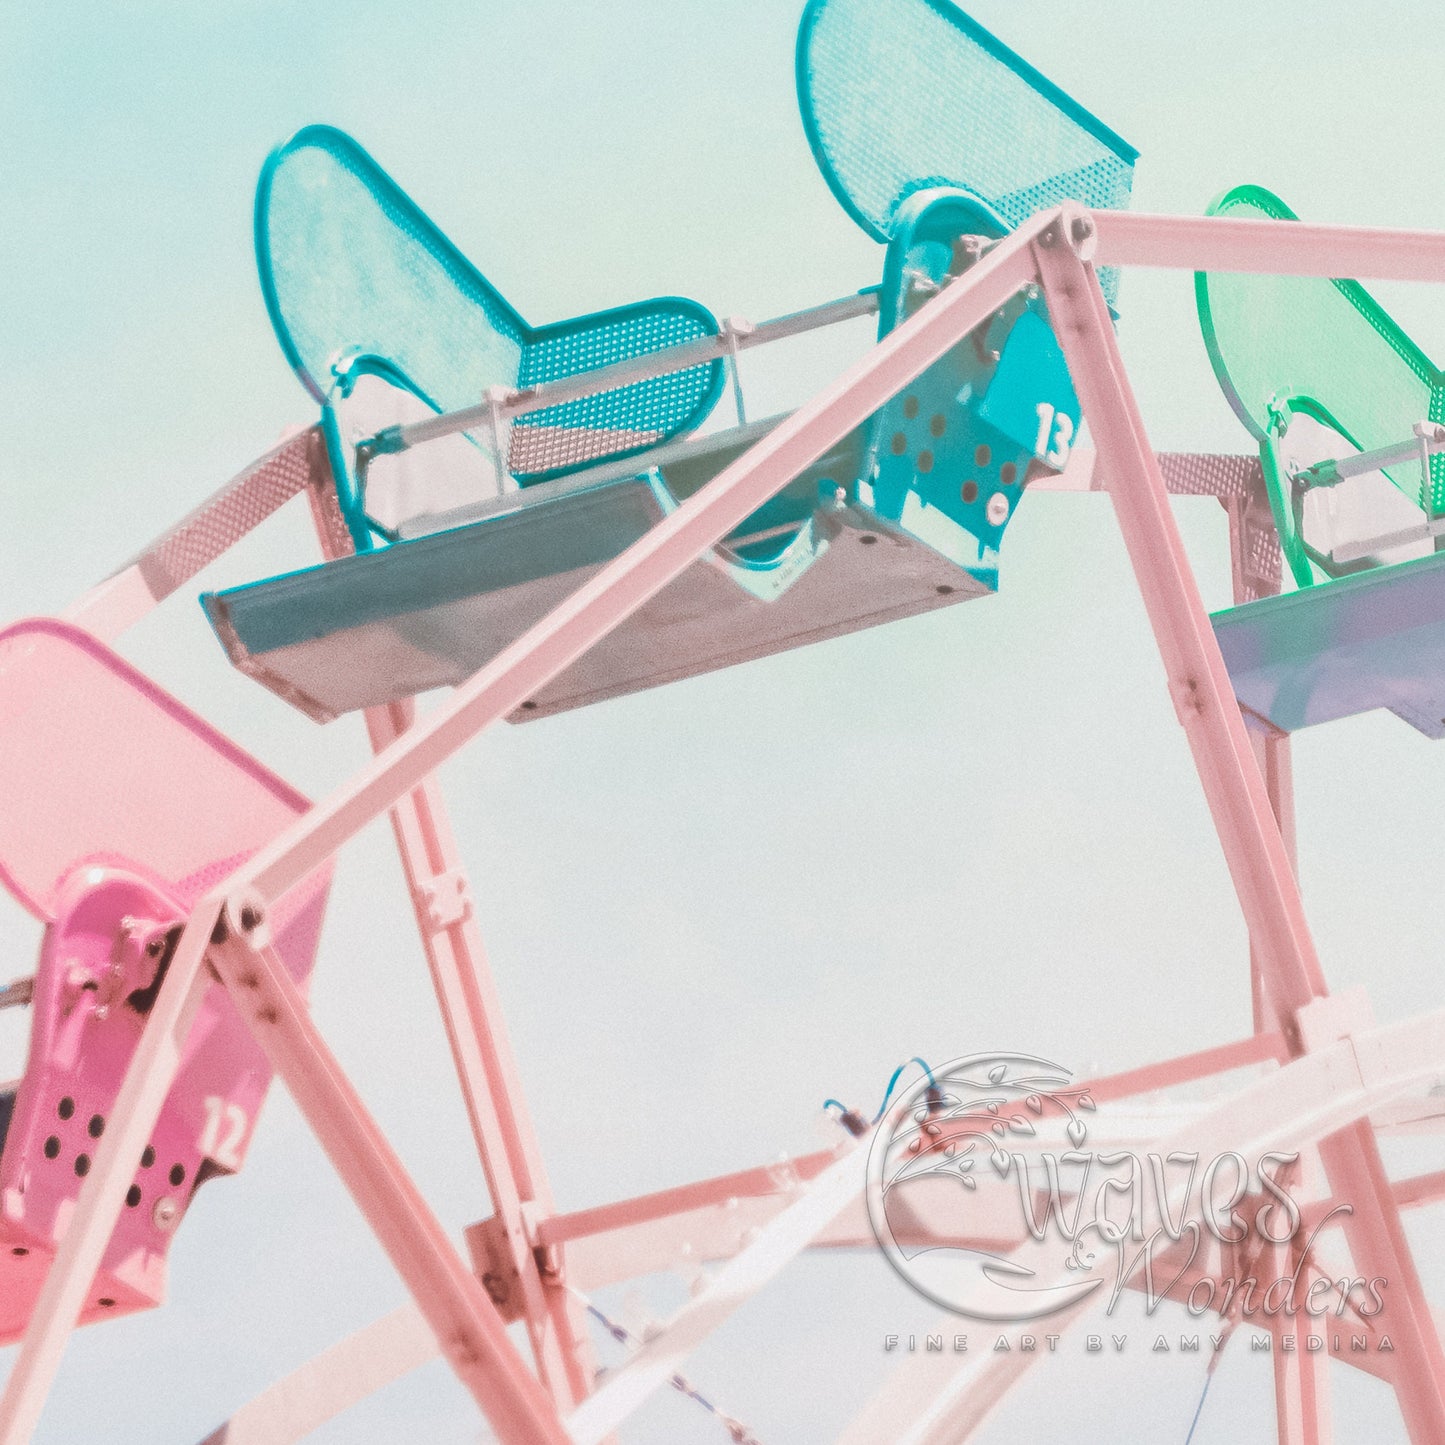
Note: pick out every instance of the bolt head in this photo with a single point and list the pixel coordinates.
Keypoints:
(1083, 237)
(165, 1213)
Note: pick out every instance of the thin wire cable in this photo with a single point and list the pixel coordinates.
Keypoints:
(855, 1121)
(1229, 1327)
(737, 1431)
(1199, 1408)
(893, 1082)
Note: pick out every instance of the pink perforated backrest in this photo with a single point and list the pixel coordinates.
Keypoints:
(118, 809)
(98, 764)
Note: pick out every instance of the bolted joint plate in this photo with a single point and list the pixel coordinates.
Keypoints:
(494, 1264)
(1074, 228)
(444, 900)
(247, 917)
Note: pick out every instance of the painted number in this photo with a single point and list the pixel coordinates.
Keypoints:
(224, 1133)
(1056, 435)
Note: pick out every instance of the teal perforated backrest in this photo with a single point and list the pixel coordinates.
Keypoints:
(901, 95)
(349, 264)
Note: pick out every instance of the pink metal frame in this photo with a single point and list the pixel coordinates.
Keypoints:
(1335, 1075)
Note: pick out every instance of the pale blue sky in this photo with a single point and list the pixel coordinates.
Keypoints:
(711, 906)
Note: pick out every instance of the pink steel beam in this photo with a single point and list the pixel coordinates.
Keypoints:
(332, 1382)
(644, 569)
(1197, 679)
(1199, 684)
(173, 558)
(666, 1203)
(708, 1219)
(481, 1050)
(1272, 757)
(1257, 1049)
(1420, 1189)
(1301, 1380)
(451, 1298)
(487, 1071)
(1282, 248)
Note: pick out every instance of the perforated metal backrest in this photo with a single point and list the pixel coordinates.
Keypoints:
(98, 765)
(1328, 344)
(900, 95)
(349, 264)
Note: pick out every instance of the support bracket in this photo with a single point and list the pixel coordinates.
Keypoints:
(445, 900)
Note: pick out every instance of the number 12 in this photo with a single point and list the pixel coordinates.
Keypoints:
(224, 1148)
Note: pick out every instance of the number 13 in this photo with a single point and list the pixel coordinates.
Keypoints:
(1057, 426)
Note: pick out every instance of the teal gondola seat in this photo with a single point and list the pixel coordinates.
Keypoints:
(1319, 372)
(928, 131)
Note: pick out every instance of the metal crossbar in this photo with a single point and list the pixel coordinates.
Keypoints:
(522, 400)
(1429, 437)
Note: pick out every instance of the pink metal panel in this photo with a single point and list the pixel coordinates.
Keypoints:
(93, 990)
(98, 765)
(142, 1096)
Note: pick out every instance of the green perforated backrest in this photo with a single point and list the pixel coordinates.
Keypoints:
(1325, 343)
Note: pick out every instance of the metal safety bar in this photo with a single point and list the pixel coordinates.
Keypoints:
(1429, 437)
(731, 340)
